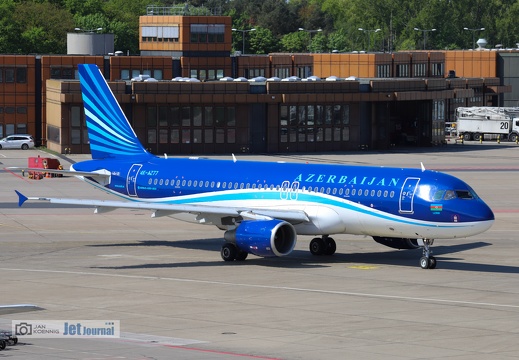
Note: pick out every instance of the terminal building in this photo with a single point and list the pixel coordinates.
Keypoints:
(190, 95)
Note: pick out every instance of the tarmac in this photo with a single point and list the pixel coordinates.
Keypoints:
(175, 298)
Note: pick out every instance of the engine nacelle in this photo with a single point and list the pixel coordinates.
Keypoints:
(397, 243)
(264, 237)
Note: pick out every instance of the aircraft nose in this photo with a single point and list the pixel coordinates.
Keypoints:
(485, 213)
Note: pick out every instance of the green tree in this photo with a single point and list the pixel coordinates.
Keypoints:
(262, 41)
(295, 42)
(42, 28)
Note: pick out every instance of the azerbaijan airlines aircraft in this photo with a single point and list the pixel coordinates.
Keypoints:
(263, 206)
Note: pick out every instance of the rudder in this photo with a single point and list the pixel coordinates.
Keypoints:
(109, 132)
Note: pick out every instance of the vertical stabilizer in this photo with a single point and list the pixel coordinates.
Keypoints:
(109, 132)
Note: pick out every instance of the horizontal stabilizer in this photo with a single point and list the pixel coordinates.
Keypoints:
(102, 176)
(18, 308)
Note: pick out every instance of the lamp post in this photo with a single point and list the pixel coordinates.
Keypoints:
(243, 37)
(369, 31)
(425, 31)
(310, 35)
(88, 31)
(473, 35)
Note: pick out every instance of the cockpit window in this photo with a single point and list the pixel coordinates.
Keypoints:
(464, 194)
(449, 194)
(438, 195)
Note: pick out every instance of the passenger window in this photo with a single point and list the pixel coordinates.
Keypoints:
(366, 192)
(150, 181)
(161, 182)
(385, 193)
(340, 191)
(189, 183)
(391, 194)
(166, 182)
(212, 184)
(353, 192)
(372, 193)
(379, 193)
(207, 184)
(155, 182)
(347, 192)
(177, 183)
(328, 191)
(322, 190)
(183, 182)
(242, 185)
(334, 191)
(195, 183)
(218, 185)
(254, 186)
(235, 185)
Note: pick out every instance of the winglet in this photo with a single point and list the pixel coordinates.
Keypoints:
(423, 167)
(21, 198)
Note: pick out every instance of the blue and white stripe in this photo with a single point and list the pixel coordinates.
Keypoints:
(109, 131)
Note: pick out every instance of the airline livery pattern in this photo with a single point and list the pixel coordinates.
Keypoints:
(262, 206)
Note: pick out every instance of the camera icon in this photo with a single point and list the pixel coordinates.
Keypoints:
(23, 329)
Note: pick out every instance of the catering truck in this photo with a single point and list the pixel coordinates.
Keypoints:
(473, 123)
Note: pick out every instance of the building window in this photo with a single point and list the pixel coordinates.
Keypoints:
(314, 123)
(207, 33)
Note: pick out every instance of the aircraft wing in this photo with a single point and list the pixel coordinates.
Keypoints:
(162, 209)
(18, 308)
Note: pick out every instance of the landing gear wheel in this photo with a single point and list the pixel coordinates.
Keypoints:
(424, 262)
(432, 262)
(330, 246)
(229, 252)
(241, 255)
(317, 246)
(3, 344)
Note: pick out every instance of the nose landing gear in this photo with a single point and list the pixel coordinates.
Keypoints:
(427, 261)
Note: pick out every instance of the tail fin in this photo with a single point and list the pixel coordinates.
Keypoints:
(109, 131)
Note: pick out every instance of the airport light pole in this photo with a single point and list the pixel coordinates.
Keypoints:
(88, 31)
(243, 37)
(474, 35)
(368, 32)
(310, 32)
(425, 31)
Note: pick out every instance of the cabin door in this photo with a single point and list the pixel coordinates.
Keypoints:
(131, 180)
(407, 195)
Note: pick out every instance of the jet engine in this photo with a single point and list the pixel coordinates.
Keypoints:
(263, 237)
(397, 243)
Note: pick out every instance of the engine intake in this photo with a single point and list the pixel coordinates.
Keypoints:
(397, 243)
(264, 237)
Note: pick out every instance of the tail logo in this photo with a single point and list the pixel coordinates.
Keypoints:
(109, 131)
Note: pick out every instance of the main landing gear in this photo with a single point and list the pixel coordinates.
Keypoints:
(323, 246)
(230, 252)
(427, 261)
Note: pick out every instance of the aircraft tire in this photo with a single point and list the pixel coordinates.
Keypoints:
(229, 252)
(241, 255)
(330, 246)
(317, 246)
(3, 344)
(424, 262)
(432, 262)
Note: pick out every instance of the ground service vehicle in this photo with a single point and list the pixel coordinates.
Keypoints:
(472, 123)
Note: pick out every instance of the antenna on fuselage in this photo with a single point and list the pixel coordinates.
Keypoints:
(423, 167)
(165, 156)
(234, 158)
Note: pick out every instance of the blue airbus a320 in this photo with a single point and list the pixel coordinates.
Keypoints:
(263, 206)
